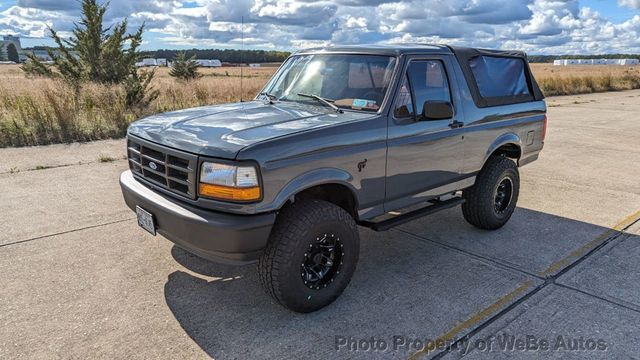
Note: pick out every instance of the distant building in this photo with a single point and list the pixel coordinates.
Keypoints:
(209, 63)
(254, 65)
(41, 54)
(152, 62)
(9, 40)
(628, 62)
(149, 62)
(565, 62)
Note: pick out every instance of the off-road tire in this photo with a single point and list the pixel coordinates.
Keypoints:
(479, 209)
(297, 227)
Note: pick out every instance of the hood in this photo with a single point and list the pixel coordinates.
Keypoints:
(223, 130)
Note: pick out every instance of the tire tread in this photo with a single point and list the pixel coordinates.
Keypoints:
(477, 208)
(291, 225)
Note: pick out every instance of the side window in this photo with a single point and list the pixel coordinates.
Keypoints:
(404, 105)
(429, 82)
(499, 77)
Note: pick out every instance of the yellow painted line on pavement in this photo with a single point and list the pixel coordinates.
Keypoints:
(579, 252)
(473, 320)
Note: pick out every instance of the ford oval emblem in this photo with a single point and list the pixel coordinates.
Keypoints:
(153, 165)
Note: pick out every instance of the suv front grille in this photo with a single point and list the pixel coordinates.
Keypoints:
(167, 168)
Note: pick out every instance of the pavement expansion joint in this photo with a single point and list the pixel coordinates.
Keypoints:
(494, 261)
(475, 322)
(614, 303)
(65, 232)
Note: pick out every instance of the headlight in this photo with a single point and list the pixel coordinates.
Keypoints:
(228, 182)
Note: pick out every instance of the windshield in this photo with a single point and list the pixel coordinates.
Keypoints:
(357, 82)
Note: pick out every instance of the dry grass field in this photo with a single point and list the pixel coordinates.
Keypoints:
(583, 79)
(35, 111)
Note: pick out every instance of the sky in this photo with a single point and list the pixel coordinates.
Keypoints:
(536, 26)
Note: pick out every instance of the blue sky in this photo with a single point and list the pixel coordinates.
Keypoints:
(610, 10)
(536, 26)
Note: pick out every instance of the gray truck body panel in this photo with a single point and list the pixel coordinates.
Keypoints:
(298, 146)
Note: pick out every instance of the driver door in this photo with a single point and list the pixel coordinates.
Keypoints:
(425, 156)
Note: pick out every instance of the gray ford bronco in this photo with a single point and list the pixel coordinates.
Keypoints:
(339, 137)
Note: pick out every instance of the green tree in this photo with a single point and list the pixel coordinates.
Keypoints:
(99, 54)
(3, 55)
(184, 68)
(12, 53)
(96, 53)
(139, 93)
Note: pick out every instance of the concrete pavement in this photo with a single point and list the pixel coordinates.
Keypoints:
(81, 279)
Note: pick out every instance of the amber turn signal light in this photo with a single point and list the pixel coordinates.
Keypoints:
(230, 193)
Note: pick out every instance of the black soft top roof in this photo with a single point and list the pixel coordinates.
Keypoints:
(402, 49)
(465, 55)
(382, 49)
(469, 53)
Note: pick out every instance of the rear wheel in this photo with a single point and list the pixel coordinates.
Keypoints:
(311, 255)
(492, 200)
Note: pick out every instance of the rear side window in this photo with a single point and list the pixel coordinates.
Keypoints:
(500, 77)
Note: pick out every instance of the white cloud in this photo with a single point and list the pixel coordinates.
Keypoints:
(633, 4)
(488, 11)
(538, 26)
(353, 22)
(31, 22)
(289, 10)
(551, 17)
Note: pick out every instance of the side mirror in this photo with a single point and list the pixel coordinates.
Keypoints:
(437, 110)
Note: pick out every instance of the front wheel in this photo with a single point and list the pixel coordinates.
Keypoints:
(491, 201)
(311, 255)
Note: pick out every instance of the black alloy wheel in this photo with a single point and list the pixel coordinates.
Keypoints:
(322, 261)
(503, 196)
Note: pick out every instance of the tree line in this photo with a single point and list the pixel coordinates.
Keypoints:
(224, 55)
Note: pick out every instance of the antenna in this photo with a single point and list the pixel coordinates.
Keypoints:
(242, 61)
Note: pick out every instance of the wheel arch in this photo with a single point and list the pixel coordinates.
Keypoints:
(508, 145)
(332, 185)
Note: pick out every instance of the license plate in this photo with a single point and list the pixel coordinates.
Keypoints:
(145, 220)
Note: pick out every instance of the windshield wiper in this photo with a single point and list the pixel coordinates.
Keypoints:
(322, 101)
(269, 96)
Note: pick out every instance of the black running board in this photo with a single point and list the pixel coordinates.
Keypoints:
(413, 215)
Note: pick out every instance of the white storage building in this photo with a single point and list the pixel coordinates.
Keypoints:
(149, 62)
(152, 62)
(565, 62)
(629, 61)
(209, 63)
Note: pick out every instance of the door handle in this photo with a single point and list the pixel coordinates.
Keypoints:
(456, 124)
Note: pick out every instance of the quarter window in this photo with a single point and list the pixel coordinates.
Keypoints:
(499, 76)
(404, 106)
